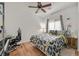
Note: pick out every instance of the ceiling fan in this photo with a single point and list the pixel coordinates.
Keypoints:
(40, 6)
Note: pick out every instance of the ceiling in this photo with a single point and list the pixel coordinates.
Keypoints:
(56, 6)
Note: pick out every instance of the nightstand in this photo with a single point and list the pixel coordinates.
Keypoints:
(72, 42)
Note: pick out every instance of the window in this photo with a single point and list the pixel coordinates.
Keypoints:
(55, 25)
(43, 27)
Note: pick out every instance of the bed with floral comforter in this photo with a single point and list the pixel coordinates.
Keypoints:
(49, 44)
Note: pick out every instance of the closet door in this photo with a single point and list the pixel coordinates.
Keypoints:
(2, 14)
(1, 17)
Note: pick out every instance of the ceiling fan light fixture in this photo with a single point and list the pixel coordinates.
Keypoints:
(40, 6)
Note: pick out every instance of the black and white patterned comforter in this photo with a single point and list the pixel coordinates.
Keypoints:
(49, 44)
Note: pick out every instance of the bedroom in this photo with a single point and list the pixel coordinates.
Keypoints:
(60, 18)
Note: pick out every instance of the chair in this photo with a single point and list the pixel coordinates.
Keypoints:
(14, 42)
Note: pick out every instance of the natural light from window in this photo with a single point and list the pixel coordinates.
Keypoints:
(43, 27)
(54, 25)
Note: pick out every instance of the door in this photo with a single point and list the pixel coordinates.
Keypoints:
(1, 19)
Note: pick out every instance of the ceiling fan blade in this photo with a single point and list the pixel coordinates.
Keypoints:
(47, 5)
(32, 6)
(37, 10)
(43, 10)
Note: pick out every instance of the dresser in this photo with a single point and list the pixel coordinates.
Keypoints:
(72, 42)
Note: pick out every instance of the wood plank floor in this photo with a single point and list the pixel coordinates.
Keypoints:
(68, 52)
(26, 49)
(77, 53)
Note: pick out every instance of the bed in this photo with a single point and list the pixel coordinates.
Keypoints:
(50, 45)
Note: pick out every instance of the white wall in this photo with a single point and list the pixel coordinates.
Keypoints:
(70, 12)
(19, 15)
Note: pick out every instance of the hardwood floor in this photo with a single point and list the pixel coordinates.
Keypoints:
(68, 52)
(77, 53)
(26, 49)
